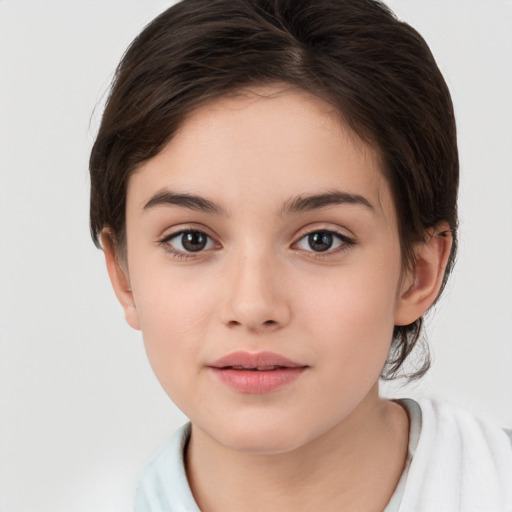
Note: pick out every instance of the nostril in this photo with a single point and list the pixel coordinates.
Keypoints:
(267, 323)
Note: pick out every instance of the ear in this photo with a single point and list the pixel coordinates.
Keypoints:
(421, 285)
(120, 280)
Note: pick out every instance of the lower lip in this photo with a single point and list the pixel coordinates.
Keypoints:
(257, 381)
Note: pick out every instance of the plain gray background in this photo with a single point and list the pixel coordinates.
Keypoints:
(80, 411)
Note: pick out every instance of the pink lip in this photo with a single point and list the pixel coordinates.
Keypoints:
(239, 371)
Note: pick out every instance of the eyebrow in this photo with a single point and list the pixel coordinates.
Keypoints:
(190, 201)
(311, 202)
(302, 203)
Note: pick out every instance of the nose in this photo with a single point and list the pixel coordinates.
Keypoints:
(256, 294)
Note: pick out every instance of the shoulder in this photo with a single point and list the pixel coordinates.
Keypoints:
(460, 459)
(163, 485)
(442, 420)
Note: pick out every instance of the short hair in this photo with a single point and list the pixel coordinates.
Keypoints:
(375, 70)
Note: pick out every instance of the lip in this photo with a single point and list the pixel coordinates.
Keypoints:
(256, 373)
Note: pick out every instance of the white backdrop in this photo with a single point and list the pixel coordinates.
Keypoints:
(80, 411)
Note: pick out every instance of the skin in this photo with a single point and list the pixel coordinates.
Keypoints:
(325, 441)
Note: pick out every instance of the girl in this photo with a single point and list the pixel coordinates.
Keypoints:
(274, 186)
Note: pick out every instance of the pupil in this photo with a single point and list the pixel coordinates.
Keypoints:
(193, 241)
(320, 242)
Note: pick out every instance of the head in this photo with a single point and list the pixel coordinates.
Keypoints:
(350, 60)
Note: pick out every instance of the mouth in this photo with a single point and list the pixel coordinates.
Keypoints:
(257, 361)
(256, 373)
(256, 369)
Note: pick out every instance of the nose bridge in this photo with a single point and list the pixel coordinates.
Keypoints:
(255, 293)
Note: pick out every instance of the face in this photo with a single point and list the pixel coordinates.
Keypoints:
(264, 265)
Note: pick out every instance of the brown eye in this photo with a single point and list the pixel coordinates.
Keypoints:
(320, 241)
(194, 241)
(189, 241)
(323, 241)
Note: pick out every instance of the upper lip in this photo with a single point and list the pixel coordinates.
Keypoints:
(254, 360)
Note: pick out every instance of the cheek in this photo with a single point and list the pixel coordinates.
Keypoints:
(174, 314)
(353, 313)
(167, 299)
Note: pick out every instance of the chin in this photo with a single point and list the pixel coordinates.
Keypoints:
(261, 435)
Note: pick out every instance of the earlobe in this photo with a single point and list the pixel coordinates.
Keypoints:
(421, 286)
(119, 278)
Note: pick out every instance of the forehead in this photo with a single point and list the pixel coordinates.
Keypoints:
(273, 141)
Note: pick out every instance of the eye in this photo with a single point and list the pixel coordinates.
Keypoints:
(323, 241)
(189, 241)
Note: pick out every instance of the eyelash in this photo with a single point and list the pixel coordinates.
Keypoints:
(176, 253)
(345, 243)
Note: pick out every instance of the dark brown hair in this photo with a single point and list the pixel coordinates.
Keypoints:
(377, 71)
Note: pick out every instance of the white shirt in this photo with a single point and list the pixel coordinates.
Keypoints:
(428, 483)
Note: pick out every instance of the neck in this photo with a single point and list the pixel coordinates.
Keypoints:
(356, 465)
